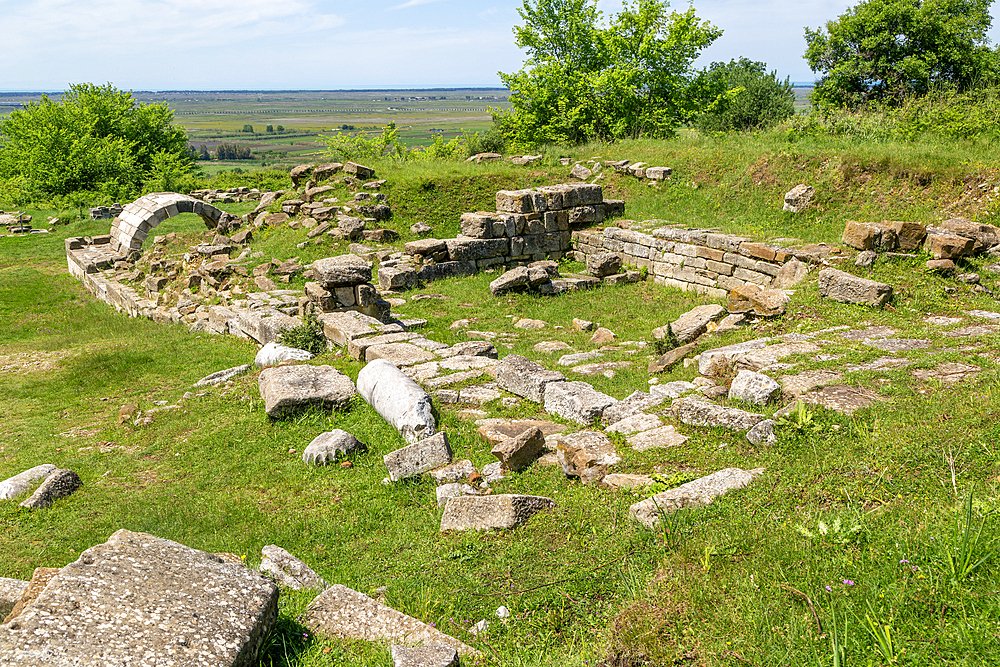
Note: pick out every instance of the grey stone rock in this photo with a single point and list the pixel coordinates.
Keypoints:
(23, 482)
(475, 348)
(839, 398)
(287, 390)
(453, 472)
(662, 437)
(698, 493)
(493, 472)
(435, 654)
(845, 288)
(504, 511)
(327, 447)
(513, 280)
(289, 571)
(525, 378)
(866, 258)
(223, 376)
(273, 354)
(453, 490)
(693, 323)
(521, 451)
(634, 424)
(674, 389)
(341, 612)
(791, 274)
(763, 433)
(576, 401)
(11, 591)
(753, 388)
(342, 271)
(98, 610)
(671, 358)
(584, 454)
(420, 457)
(58, 484)
(797, 199)
(712, 361)
(399, 400)
(397, 278)
(604, 264)
(581, 172)
(399, 354)
(701, 413)
(633, 404)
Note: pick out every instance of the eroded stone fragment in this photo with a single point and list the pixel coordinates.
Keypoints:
(290, 389)
(697, 493)
(420, 457)
(223, 376)
(273, 354)
(576, 401)
(289, 571)
(341, 612)
(523, 377)
(436, 654)
(844, 287)
(753, 388)
(11, 591)
(59, 484)
(702, 413)
(519, 452)
(327, 447)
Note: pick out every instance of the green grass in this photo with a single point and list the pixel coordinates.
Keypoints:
(735, 583)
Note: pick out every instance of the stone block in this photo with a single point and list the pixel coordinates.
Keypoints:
(909, 235)
(699, 493)
(521, 451)
(504, 511)
(949, 246)
(289, 571)
(846, 288)
(576, 401)
(287, 390)
(463, 249)
(420, 457)
(58, 484)
(342, 271)
(525, 378)
(702, 413)
(753, 387)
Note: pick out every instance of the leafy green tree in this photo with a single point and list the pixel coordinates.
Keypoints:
(582, 81)
(889, 50)
(95, 139)
(750, 97)
(248, 128)
(269, 128)
(281, 128)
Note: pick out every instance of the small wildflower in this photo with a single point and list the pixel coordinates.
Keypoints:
(903, 561)
(828, 589)
(847, 582)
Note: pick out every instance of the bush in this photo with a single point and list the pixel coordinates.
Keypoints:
(307, 336)
(749, 98)
(365, 145)
(491, 141)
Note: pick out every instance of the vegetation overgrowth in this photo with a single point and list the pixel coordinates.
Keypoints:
(869, 539)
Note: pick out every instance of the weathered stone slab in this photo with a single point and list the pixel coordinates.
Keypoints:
(453, 472)
(289, 571)
(950, 246)
(523, 377)
(674, 389)
(58, 484)
(898, 344)
(23, 482)
(578, 358)
(222, 376)
(701, 413)
(691, 324)
(632, 405)
(399, 354)
(753, 388)
(399, 400)
(576, 401)
(671, 358)
(453, 490)
(763, 433)
(948, 373)
(502, 511)
(40, 578)
(420, 457)
(497, 430)
(139, 599)
(341, 612)
(793, 386)
(342, 271)
(973, 331)
(436, 654)
(327, 447)
(698, 493)
(290, 389)
(634, 424)
(845, 288)
(712, 361)
(840, 398)
(658, 438)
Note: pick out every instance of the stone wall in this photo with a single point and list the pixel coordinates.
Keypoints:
(695, 260)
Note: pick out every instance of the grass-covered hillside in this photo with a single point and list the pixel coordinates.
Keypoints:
(869, 539)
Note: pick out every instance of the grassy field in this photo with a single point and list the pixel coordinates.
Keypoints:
(749, 580)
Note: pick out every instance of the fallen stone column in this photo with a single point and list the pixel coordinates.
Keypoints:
(398, 399)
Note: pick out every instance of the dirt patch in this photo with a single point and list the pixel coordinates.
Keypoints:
(23, 363)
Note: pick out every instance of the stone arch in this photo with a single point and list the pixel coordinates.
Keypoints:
(137, 220)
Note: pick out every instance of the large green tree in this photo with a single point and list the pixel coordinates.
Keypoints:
(888, 50)
(750, 97)
(94, 139)
(584, 79)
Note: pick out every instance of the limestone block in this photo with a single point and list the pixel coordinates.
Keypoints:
(398, 399)
(797, 199)
(341, 612)
(949, 246)
(525, 378)
(464, 250)
(661, 437)
(516, 278)
(985, 236)
(420, 457)
(712, 361)
(753, 388)
(504, 511)
(693, 323)
(909, 235)
(453, 472)
(273, 354)
(208, 612)
(436, 654)
(845, 288)
(604, 264)
(576, 401)
(763, 433)
(698, 493)
(287, 390)
(702, 413)
(519, 452)
(869, 236)
(342, 271)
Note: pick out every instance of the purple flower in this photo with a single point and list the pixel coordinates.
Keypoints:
(829, 590)
(847, 582)
(903, 561)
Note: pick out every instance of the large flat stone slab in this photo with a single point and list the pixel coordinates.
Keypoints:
(576, 401)
(502, 511)
(657, 438)
(341, 612)
(698, 493)
(712, 361)
(846, 288)
(420, 457)
(840, 398)
(141, 600)
(497, 430)
(290, 389)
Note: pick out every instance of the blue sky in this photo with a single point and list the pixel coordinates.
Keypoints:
(329, 44)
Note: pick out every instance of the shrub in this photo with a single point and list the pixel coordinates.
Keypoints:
(750, 98)
(307, 336)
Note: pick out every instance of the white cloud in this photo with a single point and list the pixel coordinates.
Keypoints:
(412, 3)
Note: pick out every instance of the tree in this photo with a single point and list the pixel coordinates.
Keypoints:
(281, 128)
(269, 128)
(749, 97)
(248, 128)
(889, 50)
(95, 139)
(226, 151)
(581, 81)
